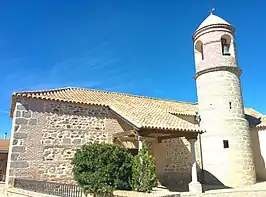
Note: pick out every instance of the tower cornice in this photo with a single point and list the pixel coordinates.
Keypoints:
(234, 70)
(211, 28)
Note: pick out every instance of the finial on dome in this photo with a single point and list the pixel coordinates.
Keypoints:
(212, 11)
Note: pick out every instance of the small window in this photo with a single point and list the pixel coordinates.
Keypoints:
(199, 51)
(202, 56)
(230, 105)
(225, 46)
(226, 143)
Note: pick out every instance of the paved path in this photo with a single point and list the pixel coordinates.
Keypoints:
(257, 190)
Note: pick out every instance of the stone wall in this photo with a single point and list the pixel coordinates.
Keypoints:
(3, 163)
(173, 159)
(258, 136)
(45, 135)
(222, 113)
(173, 162)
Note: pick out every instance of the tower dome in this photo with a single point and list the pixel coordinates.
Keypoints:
(213, 20)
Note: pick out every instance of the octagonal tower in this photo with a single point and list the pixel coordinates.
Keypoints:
(227, 155)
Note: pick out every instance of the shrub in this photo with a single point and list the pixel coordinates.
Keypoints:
(101, 168)
(143, 171)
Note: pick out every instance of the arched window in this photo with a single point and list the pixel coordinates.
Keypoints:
(225, 42)
(199, 51)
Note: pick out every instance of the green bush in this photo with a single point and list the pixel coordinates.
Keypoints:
(101, 168)
(143, 171)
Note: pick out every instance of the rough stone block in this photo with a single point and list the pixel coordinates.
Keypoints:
(20, 135)
(16, 128)
(33, 121)
(14, 156)
(15, 142)
(76, 141)
(18, 149)
(23, 107)
(11, 172)
(26, 114)
(66, 141)
(19, 164)
(18, 113)
(21, 121)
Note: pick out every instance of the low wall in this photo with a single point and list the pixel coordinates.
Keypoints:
(14, 192)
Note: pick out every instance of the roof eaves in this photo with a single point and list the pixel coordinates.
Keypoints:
(24, 95)
(197, 130)
(185, 113)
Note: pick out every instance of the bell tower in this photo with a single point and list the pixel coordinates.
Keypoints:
(227, 156)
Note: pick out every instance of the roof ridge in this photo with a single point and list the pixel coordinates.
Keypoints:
(133, 95)
(42, 91)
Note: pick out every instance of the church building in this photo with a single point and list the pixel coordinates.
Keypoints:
(216, 141)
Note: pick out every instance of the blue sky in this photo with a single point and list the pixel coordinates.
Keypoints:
(141, 47)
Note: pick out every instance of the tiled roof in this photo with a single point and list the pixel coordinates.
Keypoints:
(252, 112)
(143, 112)
(4, 145)
(258, 120)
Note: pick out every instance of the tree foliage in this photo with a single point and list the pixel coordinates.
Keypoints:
(143, 171)
(101, 168)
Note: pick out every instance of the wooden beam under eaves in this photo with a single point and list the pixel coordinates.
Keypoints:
(124, 133)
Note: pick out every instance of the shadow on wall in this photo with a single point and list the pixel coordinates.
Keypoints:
(173, 164)
(213, 182)
(173, 167)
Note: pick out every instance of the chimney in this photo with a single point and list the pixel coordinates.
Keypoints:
(5, 135)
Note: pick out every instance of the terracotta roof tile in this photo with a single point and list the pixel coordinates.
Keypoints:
(143, 112)
(252, 112)
(4, 145)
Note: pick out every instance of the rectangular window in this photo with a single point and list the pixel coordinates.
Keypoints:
(225, 47)
(226, 143)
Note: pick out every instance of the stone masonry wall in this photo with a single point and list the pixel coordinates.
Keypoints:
(222, 113)
(45, 135)
(173, 161)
